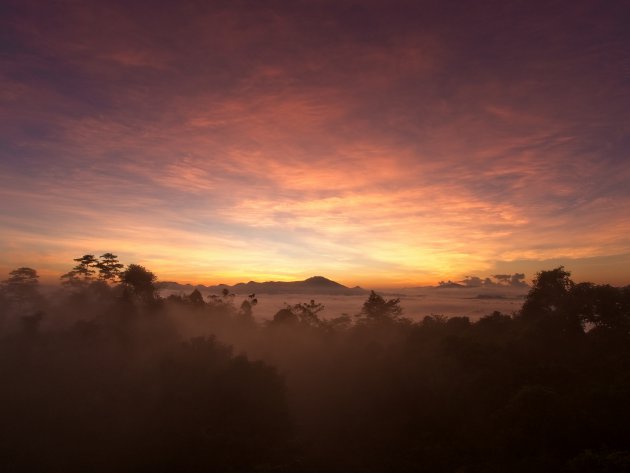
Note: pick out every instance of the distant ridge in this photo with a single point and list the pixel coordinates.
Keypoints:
(449, 285)
(313, 285)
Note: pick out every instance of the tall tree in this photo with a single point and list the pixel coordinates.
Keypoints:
(22, 279)
(376, 309)
(307, 312)
(140, 280)
(549, 293)
(71, 279)
(21, 286)
(196, 298)
(85, 269)
(550, 303)
(109, 268)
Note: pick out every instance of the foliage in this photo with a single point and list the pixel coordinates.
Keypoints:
(21, 286)
(247, 306)
(140, 281)
(378, 310)
(196, 298)
(138, 383)
(79, 277)
(548, 294)
(85, 267)
(21, 279)
(109, 268)
(223, 303)
(303, 313)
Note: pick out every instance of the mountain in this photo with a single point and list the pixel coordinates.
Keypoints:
(449, 285)
(316, 285)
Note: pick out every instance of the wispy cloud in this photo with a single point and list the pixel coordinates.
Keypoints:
(378, 145)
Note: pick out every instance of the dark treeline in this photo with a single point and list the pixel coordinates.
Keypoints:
(106, 375)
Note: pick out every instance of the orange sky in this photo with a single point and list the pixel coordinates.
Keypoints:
(375, 143)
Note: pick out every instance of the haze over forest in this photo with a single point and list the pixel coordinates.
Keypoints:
(314, 236)
(107, 375)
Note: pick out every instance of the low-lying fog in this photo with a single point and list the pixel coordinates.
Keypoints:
(416, 303)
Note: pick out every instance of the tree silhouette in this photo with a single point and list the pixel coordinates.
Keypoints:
(247, 306)
(303, 313)
(550, 302)
(109, 268)
(246, 309)
(549, 292)
(82, 274)
(603, 307)
(140, 280)
(71, 279)
(196, 298)
(285, 317)
(21, 286)
(376, 309)
(22, 278)
(85, 268)
(307, 312)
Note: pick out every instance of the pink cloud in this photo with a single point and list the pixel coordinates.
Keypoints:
(281, 140)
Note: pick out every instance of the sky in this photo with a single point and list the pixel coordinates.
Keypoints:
(387, 143)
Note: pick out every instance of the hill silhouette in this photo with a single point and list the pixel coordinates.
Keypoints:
(315, 285)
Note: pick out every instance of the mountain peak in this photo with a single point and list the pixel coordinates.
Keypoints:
(314, 285)
(322, 281)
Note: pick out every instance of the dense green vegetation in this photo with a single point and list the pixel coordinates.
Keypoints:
(108, 376)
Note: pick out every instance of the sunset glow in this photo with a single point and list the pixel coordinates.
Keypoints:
(376, 143)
